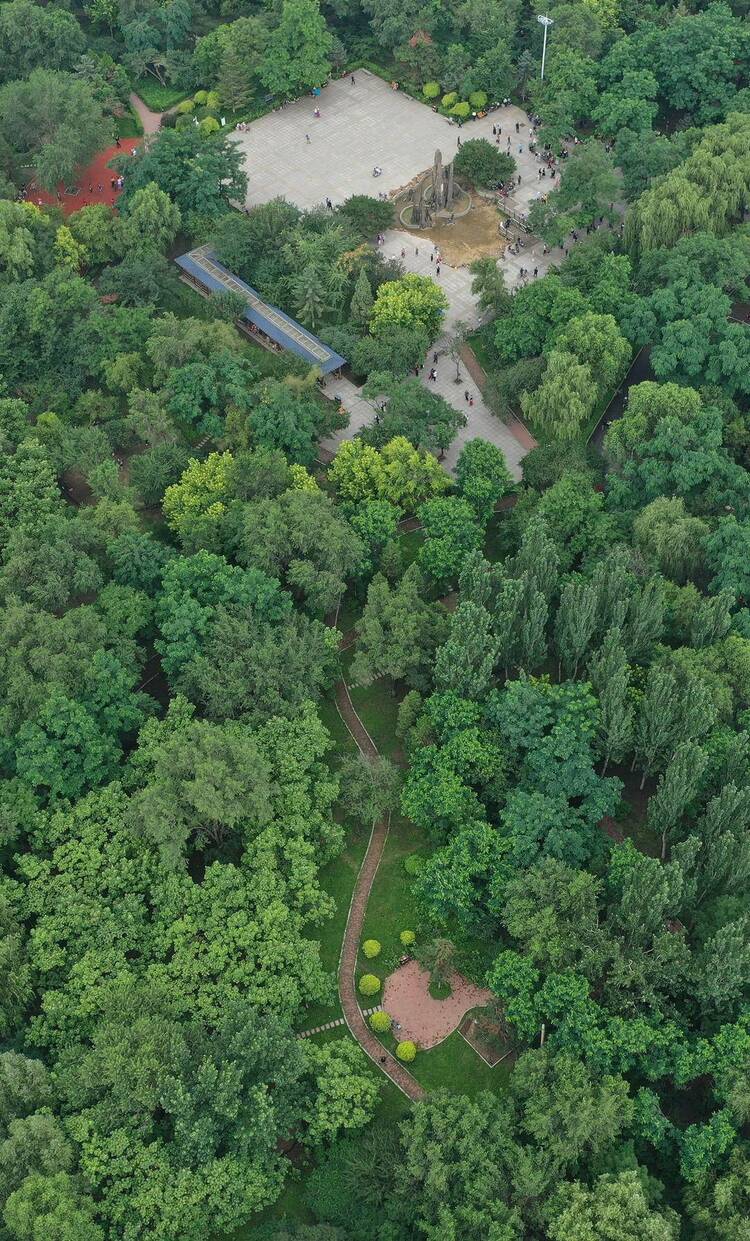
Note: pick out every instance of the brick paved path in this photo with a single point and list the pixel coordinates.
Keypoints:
(353, 1015)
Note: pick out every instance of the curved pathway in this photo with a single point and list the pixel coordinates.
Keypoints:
(151, 121)
(356, 1022)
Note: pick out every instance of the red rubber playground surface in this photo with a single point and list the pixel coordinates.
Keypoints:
(88, 181)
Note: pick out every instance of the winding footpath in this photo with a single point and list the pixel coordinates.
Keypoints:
(358, 1027)
(151, 121)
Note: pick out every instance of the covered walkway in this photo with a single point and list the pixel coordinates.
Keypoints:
(202, 269)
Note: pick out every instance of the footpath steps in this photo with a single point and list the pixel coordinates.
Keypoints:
(332, 1025)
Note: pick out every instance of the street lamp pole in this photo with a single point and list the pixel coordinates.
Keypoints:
(546, 22)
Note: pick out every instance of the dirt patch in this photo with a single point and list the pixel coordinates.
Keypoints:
(475, 236)
(93, 183)
(486, 1038)
(407, 999)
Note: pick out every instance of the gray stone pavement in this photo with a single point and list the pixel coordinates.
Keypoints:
(366, 124)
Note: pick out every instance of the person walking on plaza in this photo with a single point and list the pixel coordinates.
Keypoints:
(435, 357)
(307, 137)
(437, 270)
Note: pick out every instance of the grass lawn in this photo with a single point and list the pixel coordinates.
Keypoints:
(337, 878)
(482, 342)
(455, 1065)
(156, 97)
(128, 125)
(392, 908)
(410, 543)
(290, 1205)
(377, 707)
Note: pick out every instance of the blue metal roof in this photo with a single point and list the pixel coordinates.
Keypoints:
(203, 266)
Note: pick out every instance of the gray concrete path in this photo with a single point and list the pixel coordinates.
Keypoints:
(151, 121)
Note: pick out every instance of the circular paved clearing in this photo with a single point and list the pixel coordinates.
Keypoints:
(407, 999)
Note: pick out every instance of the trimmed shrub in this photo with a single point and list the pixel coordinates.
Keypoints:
(413, 864)
(431, 90)
(371, 948)
(187, 105)
(209, 125)
(200, 96)
(406, 1051)
(407, 938)
(369, 984)
(461, 110)
(213, 100)
(448, 100)
(478, 100)
(380, 1022)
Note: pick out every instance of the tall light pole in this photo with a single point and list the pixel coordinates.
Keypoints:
(546, 22)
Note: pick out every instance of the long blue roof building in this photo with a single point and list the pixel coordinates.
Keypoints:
(203, 269)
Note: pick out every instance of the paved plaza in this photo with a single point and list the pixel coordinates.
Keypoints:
(362, 125)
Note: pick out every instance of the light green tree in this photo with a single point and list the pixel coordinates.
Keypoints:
(564, 399)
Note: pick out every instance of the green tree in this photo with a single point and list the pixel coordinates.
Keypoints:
(52, 119)
(345, 1092)
(677, 787)
(398, 633)
(153, 220)
(369, 787)
(298, 55)
(466, 662)
(411, 301)
(666, 533)
(488, 286)
(483, 477)
(588, 187)
(450, 533)
(609, 673)
(565, 398)
(362, 300)
(596, 341)
(202, 174)
(63, 752)
(50, 1206)
(617, 1208)
(482, 163)
(200, 781)
(669, 713)
(32, 38)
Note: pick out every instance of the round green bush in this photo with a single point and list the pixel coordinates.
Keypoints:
(186, 106)
(213, 100)
(449, 99)
(478, 100)
(406, 1051)
(461, 110)
(407, 938)
(380, 1022)
(182, 122)
(200, 96)
(413, 863)
(369, 984)
(209, 125)
(431, 90)
(371, 948)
